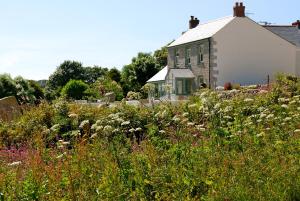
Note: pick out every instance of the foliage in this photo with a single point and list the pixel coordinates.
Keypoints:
(106, 85)
(225, 145)
(68, 70)
(161, 56)
(131, 95)
(18, 87)
(114, 74)
(74, 89)
(7, 86)
(91, 74)
(136, 74)
(38, 92)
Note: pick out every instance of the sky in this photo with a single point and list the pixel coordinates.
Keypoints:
(37, 35)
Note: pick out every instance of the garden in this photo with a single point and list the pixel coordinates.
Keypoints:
(238, 146)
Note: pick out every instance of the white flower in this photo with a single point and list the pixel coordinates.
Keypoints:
(185, 114)
(55, 127)
(217, 106)
(228, 109)
(99, 128)
(191, 124)
(162, 132)
(84, 124)
(138, 129)
(284, 106)
(288, 119)
(262, 115)
(176, 119)
(65, 143)
(270, 116)
(73, 116)
(107, 128)
(131, 130)
(125, 123)
(16, 163)
(94, 136)
(260, 134)
(248, 100)
(297, 131)
(116, 130)
(192, 106)
(62, 155)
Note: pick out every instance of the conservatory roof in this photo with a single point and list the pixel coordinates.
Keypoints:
(160, 76)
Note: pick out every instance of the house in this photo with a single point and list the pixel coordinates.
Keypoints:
(232, 49)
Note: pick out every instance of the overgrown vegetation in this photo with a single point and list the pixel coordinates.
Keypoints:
(246, 147)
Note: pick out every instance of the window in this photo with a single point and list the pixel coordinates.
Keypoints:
(183, 86)
(188, 57)
(200, 54)
(176, 58)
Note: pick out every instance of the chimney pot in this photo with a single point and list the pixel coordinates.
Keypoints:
(239, 10)
(194, 22)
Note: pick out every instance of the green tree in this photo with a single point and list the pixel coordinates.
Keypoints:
(7, 86)
(25, 93)
(74, 89)
(114, 74)
(161, 56)
(38, 91)
(91, 74)
(68, 70)
(136, 74)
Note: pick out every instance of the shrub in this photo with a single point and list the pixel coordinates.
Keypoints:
(74, 89)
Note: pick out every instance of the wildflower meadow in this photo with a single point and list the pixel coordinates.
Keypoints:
(231, 145)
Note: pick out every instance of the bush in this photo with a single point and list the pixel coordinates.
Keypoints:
(105, 85)
(74, 89)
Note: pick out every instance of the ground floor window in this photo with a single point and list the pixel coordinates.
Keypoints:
(183, 86)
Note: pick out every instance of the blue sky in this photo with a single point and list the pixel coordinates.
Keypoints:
(36, 36)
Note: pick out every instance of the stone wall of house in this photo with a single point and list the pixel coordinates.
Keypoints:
(199, 69)
(9, 108)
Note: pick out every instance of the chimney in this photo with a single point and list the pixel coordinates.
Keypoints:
(239, 10)
(194, 22)
(297, 24)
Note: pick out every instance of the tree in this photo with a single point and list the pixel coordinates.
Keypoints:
(74, 89)
(38, 91)
(7, 86)
(141, 69)
(161, 56)
(25, 93)
(91, 74)
(68, 70)
(114, 74)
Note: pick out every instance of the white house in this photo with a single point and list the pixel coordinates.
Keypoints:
(232, 49)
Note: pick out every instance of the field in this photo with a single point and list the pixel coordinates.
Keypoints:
(240, 146)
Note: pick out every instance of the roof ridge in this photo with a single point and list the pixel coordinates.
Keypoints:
(215, 20)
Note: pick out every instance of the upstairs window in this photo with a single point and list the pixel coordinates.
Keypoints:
(188, 57)
(176, 62)
(200, 54)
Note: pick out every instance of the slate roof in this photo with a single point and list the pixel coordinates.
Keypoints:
(181, 73)
(289, 33)
(202, 31)
(160, 76)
